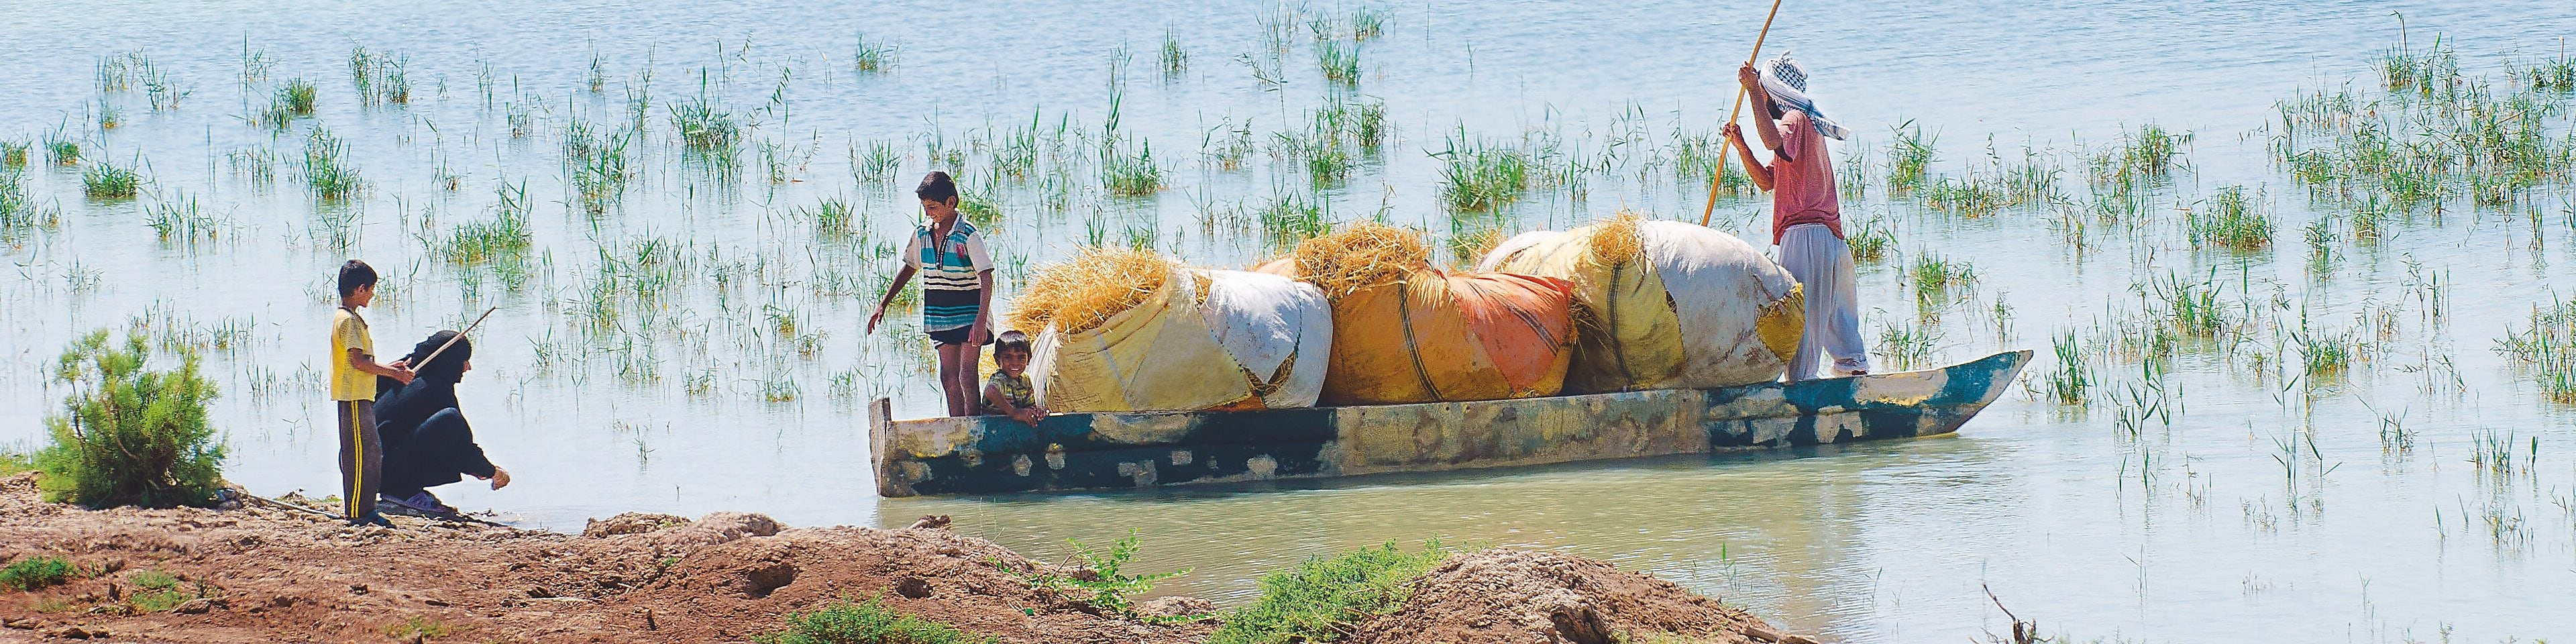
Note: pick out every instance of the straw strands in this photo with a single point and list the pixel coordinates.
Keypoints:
(1082, 293)
(1366, 254)
(1615, 240)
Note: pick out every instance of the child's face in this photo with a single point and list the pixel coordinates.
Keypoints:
(940, 210)
(1011, 362)
(362, 295)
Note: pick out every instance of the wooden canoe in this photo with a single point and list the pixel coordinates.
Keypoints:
(1088, 451)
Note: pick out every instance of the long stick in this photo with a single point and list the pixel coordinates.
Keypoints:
(1719, 178)
(460, 335)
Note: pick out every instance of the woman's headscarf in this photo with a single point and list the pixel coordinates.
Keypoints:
(450, 365)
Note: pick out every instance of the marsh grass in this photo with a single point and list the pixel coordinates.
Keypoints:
(2229, 220)
(875, 164)
(1131, 175)
(297, 96)
(18, 212)
(13, 154)
(326, 167)
(872, 56)
(1937, 279)
(597, 164)
(1871, 240)
(703, 124)
(1288, 219)
(1971, 197)
(1174, 59)
(1478, 175)
(2546, 349)
(181, 220)
(63, 151)
(103, 180)
(35, 573)
(1909, 156)
(2144, 157)
(505, 236)
(1907, 346)
(1106, 586)
(1368, 22)
(1340, 61)
(2072, 381)
(2191, 308)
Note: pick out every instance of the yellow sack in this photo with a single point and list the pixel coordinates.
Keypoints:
(1158, 355)
(1675, 305)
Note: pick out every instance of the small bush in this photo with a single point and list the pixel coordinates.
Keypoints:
(416, 628)
(128, 435)
(1320, 599)
(844, 622)
(1107, 587)
(36, 572)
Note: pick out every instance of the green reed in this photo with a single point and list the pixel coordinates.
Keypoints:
(1937, 278)
(872, 56)
(1131, 175)
(181, 220)
(1339, 60)
(326, 167)
(1289, 218)
(1910, 154)
(705, 125)
(13, 154)
(1174, 59)
(1907, 346)
(2229, 220)
(2546, 348)
(104, 180)
(1479, 175)
(2069, 383)
(505, 236)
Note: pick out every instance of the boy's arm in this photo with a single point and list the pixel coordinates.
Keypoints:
(901, 278)
(1753, 167)
(993, 397)
(366, 364)
(983, 328)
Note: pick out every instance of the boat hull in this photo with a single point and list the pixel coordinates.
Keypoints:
(993, 454)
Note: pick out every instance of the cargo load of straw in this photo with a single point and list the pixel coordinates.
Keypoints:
(1119, 330)
(1406, 333)
(1673, 305)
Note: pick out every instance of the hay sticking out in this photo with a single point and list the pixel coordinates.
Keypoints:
(1081, 293)
(1615, 241)
(1366, 254)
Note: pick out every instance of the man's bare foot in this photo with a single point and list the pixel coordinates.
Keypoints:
(500, 478)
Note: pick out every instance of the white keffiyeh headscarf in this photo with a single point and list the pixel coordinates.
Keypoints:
(1787, 85)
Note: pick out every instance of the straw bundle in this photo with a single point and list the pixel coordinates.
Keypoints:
(1366, 254)
(1081, 293)
(1615, 241)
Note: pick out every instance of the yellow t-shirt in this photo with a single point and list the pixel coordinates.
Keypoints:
(348, 331)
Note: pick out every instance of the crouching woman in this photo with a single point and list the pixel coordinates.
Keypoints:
(426, 440)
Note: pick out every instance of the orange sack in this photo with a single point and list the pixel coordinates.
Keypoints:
(1413, 334)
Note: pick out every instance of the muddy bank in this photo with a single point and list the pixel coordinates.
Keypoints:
(262, 574)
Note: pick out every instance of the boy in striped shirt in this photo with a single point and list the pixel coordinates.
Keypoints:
(956, 290)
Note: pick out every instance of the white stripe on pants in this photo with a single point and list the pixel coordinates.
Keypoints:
(1823, 265)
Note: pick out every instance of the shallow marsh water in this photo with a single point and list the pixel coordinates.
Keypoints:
(695, 345)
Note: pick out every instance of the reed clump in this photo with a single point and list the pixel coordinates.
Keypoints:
(1367, 254)
(1478, 175)
(1082, 292)
(2547, 348)
(2228, 220)
(105, 180)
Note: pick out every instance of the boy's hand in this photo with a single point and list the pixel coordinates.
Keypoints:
(400, 374)
(874, 318)
(1733, 132)
(1749, 78)
(404, 363)
(977, 335)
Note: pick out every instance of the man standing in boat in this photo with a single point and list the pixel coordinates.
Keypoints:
(1806, 214)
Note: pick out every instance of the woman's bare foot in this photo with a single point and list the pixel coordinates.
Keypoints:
(500, 478)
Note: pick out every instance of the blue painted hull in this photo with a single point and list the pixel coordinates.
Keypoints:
(992, 454)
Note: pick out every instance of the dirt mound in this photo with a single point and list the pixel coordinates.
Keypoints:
(1509, 596)
(269, 573)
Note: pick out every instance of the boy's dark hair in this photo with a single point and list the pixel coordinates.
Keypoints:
(936, 186)
(355, 274)
(1011, 341)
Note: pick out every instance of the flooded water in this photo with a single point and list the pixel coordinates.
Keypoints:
(693, 342)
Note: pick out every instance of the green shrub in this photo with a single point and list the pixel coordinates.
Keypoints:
(1323, 597)
(36, 572)
(844, 622)
(129, 436)
(1107, 587)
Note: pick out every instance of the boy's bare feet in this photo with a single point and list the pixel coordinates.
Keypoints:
(500, 478)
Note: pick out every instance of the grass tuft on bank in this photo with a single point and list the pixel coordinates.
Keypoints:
(1323, 598)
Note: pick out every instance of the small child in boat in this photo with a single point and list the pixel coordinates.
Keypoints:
(1008, 392)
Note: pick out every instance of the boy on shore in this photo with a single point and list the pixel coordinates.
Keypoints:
(1008, 392)
(353, 395)
(956, 290)
(1806, 214)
